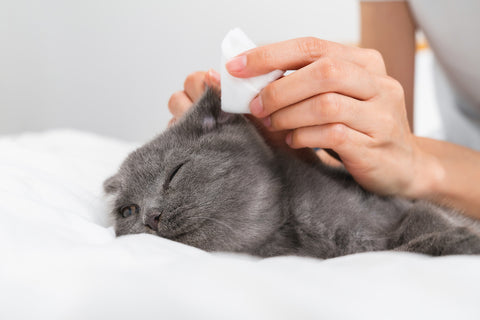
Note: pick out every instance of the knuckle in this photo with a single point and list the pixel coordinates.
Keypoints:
(338, 134)
(329, 106)
(374, 55)
(277, 121)
(328, 68)
(285, 122)
(398, 88)
(309, 47)
(388, 120)
(375, 60)
(393, 86)
(263, 57)
(270, 96)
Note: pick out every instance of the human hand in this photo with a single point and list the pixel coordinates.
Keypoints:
(193, 88)
(341, 98)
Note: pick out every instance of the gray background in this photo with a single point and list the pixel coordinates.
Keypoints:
(110, 66)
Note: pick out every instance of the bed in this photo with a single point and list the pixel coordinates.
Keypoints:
(60, 258)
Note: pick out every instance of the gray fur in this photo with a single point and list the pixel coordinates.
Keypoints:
(235, 193)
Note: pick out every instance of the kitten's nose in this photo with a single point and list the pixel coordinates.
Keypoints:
(152, 218)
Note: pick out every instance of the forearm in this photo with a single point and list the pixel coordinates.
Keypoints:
(389, 28)
(450, 175)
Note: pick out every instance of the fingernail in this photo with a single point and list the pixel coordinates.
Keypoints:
(214, 75)
(267, 122)
(236, 64)
(288, 138)
(256, 106)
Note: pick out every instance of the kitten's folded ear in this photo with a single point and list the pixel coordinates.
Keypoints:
(111, 185)
(207, 114)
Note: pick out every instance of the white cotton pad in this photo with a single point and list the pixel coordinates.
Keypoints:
(237, 93)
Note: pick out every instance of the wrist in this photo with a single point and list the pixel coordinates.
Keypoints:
(428, 174)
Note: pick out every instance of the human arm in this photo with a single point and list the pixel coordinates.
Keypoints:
(452, 176)
(389, 28)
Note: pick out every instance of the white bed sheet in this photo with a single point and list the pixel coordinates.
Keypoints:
(60, 259)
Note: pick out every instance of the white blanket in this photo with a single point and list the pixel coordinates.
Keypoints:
(61, 260)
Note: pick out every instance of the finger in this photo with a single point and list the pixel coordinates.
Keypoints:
(328, 159)
(194, 85)
(338, 137)
(212, 79)
(179, 103)
(322, 109)
(274, 138)
(171, 122)
(324, 75)
(297, 53)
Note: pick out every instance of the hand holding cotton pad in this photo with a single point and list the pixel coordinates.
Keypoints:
(237, 93)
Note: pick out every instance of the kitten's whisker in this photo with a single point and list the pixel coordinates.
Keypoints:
(216, 221)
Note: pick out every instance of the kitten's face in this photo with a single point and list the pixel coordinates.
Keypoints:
(206, 182)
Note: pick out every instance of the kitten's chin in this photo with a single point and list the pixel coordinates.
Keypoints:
(175, 236)
(177, 233)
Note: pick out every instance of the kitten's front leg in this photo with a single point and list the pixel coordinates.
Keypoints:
(456, 240)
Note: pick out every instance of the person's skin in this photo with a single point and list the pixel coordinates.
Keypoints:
(193, 88)
(389, 28)
(341, 98)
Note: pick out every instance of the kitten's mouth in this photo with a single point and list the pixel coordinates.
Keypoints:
(174, 226)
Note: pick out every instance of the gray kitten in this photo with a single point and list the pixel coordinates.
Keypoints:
(212, 182)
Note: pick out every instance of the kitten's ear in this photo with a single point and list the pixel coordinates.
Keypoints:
(112, 185)
(207, 114)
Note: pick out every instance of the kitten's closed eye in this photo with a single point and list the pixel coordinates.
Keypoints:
(127, 211)
(172, 175)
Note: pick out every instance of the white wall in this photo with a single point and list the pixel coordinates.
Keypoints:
(110, 66)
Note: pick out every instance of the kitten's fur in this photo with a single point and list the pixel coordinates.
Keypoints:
(235, 193)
